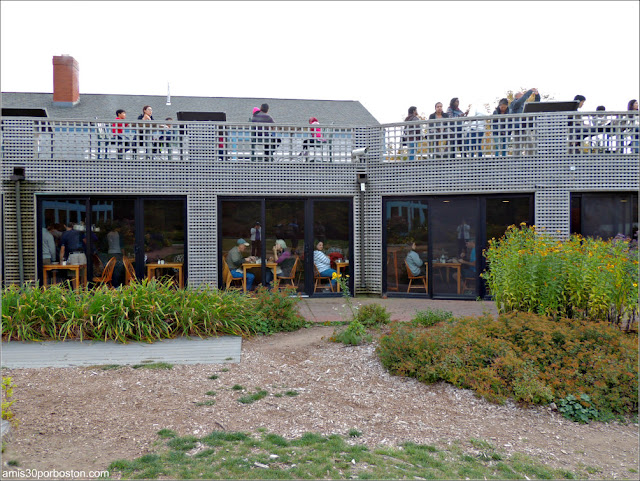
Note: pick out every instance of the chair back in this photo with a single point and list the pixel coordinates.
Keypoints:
(107, 273)
(130, 272)
(409, 273)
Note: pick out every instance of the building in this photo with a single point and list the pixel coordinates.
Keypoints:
(184, 191)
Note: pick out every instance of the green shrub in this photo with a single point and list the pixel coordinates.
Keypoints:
(529, 358)
(277, 311)
(146, 311)
(354, 334)
(578, 410)
(372, 315)
(431, 317)
(581, 278)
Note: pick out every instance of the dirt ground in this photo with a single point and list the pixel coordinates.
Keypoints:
(85, 418)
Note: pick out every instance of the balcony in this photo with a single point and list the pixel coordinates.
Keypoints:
(528, 136)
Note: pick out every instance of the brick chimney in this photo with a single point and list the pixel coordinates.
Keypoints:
(66, 88)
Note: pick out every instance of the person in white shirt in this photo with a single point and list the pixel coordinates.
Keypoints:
(48, 247)
(323, 263)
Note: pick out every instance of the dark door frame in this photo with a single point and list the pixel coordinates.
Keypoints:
(138, 212)
(481, 235)
(309, 203)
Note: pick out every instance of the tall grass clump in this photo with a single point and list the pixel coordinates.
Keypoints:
(578, 278)
(142, 311)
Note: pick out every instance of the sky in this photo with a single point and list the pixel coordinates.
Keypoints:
(387, 55)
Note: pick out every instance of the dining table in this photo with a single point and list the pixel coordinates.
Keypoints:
(152, 268)
(341, 264)
(80, 271)
(256, 265)
(451, 266)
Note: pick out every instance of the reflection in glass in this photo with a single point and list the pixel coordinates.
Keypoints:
(238, 217)
(454, 228)
(505, 211)
(285, 224)
(113, 224)
(406, 222)
(331, 227)
(164, 237)
(605, 215)
(63, 222)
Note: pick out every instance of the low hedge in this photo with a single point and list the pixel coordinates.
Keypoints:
(145, 311)
(525, 357)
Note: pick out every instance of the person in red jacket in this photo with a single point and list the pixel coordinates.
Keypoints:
(118, 132)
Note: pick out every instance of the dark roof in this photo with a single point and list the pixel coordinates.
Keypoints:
(104, 106)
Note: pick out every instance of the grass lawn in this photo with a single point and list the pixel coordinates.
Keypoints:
(229, 455)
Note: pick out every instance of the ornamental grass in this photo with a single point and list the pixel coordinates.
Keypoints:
(142, 311)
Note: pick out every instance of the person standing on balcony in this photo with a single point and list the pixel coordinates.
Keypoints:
(520, 137)
(500, 128)
(411, 132)
(439, 141)
(258, 133)
(474, 130)
(118, 132)
(577, 127)
(316, 138)
(454, 111)
(145, 132)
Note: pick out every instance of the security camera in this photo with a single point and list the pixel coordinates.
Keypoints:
(359, 152)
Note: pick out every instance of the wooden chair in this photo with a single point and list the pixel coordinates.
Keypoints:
(130, 272)
(291, 277)
(319, 279)
(415, 278)
(468, 284)
(228, 280)
(107, 273)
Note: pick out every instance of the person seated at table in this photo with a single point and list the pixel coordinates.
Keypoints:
(469, 265)
(283, 258)
(235, 259)
(415, 263)
(323, 263)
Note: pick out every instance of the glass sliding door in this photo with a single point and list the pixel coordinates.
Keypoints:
(454, 229)
(332, 221)
(62, 239)
(113, 223)
(406, 223)
(238, 220)
(165, 239)
(605, 215)
(284, 223)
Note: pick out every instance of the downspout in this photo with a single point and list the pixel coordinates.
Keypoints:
(17, 177)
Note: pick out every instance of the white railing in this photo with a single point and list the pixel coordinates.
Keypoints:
(497, 136)
(530, 135)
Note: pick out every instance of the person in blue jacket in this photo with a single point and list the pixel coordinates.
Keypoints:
(522, 133)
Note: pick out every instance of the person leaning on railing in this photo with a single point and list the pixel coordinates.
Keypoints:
(454, 111)
(522, 139)
(411, 134)
(500, 128)
(439, 130)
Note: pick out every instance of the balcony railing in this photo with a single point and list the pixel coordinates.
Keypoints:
(529, 135)
(497, 136)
